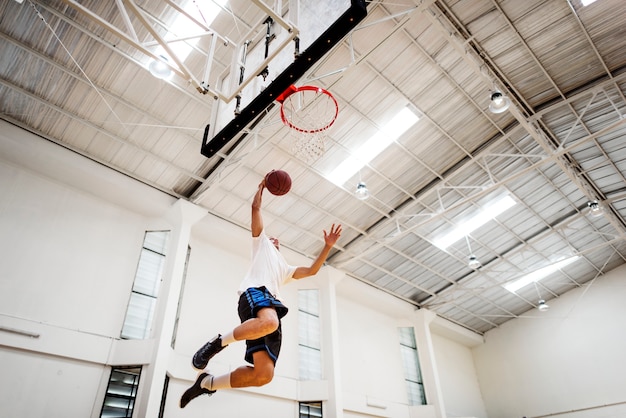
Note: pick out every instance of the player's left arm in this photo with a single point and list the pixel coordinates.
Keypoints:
(330, 239)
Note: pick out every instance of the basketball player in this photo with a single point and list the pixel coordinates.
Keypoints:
(260, 312)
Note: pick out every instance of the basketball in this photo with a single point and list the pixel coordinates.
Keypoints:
(278, 182)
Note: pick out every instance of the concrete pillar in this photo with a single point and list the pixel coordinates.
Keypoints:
(428, 364)
(330, 338)
(181, 216)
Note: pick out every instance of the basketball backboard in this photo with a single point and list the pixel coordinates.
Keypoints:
(284, 45)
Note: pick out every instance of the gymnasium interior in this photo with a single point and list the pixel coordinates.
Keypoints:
(474, 154)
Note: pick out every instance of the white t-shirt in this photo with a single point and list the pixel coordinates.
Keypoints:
(268, 267)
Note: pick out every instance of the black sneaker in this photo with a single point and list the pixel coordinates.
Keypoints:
(195, 390)
(206, 352)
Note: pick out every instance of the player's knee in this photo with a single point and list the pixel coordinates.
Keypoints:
(269, 324)
(264, 376)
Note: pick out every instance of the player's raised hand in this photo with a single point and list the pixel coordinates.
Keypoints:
(331, 237)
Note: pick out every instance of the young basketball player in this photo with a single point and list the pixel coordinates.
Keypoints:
(260, 312)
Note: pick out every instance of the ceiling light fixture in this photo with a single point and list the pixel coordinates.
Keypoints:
(361, 191)
(537, 275)
(398, 125)
(595, 209)
(488, 213)
(160, 69)
(542, 305)
(474, 263)
(473, 260)
(499, 102)
(587, 2)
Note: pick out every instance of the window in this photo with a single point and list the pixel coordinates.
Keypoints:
(180, 298)
(166, 386)
(140, 311)
(309, 345)
(119, 400)
(412, 372)
(310, 409)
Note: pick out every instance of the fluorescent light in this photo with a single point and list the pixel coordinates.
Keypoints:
(587, 2)
(537, 275)
(374, 146)
(489, 212)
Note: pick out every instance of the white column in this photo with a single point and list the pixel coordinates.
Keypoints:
(181, 216)
(428, 364)
(332, 364)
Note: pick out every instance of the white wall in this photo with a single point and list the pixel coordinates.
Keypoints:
(372, 370)
(371, 365)
(458, 379)
(69, 255)
(568, 361)
(38, 385)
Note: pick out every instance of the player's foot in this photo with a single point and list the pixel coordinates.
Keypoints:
(206, 352)
(195, 390)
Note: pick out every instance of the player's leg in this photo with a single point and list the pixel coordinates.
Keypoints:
(259, 315)
(261, 373)
(200, 387)
(265, 323)
(263, 354)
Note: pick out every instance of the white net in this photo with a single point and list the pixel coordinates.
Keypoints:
(308, 147)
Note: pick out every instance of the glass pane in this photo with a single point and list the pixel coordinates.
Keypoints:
(309, 330)
(310, 363)
(156, 241)
(149, 271)
(138, 317)
(410, 361)
(180, 299)
(411, 367)
(309, 335)
(407, 336)
(310, 409)
(308, 301)
(121, 392)
(416, 393)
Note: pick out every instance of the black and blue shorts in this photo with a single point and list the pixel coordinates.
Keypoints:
(250, 302)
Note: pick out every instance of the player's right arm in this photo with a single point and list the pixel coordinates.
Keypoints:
(257, 219)
(330, 238)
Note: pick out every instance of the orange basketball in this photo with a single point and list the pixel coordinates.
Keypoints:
(278, 182)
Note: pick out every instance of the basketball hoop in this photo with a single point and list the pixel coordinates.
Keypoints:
(308, 111)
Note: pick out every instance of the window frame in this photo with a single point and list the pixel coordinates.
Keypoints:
(143, 297)
(408, 349)
(309, 335)
(317, 405)
(110, 393)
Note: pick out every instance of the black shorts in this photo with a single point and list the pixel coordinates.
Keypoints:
(250, 302)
